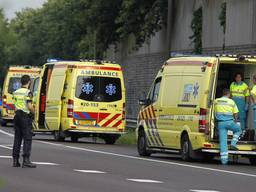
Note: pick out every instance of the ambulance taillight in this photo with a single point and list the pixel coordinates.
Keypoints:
(124, 112)
(4, 101)
(203, 125)
(70, 108)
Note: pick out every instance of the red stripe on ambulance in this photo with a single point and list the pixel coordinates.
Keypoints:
(111, 120)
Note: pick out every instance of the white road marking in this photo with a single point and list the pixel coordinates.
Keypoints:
(5, 147)
(144, 181)
(5, 157)
(45, 142)
(45, 163)
(147, 159)
(89, 171)
(10, 145)
(195, 190)
(6, 133)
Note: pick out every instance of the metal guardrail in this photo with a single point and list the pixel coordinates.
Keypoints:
(131, 123)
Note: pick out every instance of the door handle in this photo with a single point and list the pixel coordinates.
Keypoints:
(104, 109)
(160, 110)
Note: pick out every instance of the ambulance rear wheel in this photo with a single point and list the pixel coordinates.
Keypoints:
(3, 123)
(252, 160)
(142, 144)
(110, 139)
(58, 136)
(186, 148)
(74, 138)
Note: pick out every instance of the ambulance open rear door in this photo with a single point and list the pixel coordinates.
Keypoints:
(213, 86)
(53, 99)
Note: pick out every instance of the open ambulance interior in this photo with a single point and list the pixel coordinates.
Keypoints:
(226, 71)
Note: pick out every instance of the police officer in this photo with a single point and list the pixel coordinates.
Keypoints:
(23, 123)
(226, 115)
(240, 94)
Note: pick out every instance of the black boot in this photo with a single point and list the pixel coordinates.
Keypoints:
(16, 162)
(27, 163)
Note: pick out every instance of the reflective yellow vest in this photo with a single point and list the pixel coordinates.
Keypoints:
(21, 98)
(225, 109)
(253, 92)
(239, 90)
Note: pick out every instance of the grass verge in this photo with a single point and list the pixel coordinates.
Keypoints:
(128, 139)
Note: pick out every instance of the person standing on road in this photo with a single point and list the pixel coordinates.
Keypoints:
(253, 100)
(23, 123)
(240, 94)
(226, 115)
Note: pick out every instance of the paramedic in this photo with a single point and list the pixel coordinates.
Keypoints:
(240, 94)
(226, 115)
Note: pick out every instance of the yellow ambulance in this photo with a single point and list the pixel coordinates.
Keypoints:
(177, 114)
(80, 99)
(11, 84)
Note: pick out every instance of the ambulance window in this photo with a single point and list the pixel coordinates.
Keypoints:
(98, 89)
(14, 84)
(155, 91)
(35, 86)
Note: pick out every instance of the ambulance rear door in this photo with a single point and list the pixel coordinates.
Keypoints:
(53, 98)
(100, 96)
(212, 94)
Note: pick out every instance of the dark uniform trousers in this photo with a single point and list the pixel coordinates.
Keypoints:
(23, 131)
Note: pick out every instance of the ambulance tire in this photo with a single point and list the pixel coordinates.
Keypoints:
(111, 139)
(252, 160)
(3, 123)
(58, 136)
(142, 144)
(74, 138)
(186, 148)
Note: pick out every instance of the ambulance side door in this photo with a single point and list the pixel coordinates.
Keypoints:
(53, 98)
(34, 90)
(169, 111)
(151, 114)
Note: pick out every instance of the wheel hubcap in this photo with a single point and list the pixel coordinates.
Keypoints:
(185, 147)
(142, 143)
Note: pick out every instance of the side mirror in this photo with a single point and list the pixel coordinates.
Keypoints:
(143, 100)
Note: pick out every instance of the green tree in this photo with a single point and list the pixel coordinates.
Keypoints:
(81, 29)
(197, 28)
(142, 18)
(6, 40)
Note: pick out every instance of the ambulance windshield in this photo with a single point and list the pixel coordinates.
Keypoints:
(14, 84)
(98, 89)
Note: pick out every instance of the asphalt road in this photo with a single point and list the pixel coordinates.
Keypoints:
(96, 167)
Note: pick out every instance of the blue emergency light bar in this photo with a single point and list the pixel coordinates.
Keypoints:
(50, 60)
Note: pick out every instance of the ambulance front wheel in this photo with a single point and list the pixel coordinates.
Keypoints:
(142, 144)
(58, 136)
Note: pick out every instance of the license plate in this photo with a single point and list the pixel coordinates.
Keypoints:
(10, 112)
(86, 122)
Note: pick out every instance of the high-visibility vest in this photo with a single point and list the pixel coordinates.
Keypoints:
(239, 90)
(253, 92)
(224, 109)
(21, 98)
